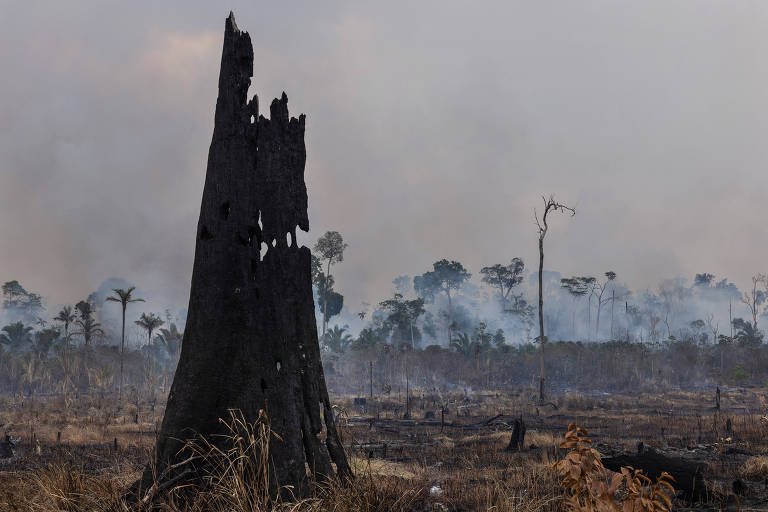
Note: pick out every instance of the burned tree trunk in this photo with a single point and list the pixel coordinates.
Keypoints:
(250, 341)
(517, 440)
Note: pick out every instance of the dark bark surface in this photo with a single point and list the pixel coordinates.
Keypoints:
(517, 440)
(688, 474)
(250, 341)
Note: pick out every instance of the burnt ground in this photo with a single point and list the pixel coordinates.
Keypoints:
(457, 462)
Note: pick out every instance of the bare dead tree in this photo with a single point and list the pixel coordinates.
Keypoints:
(755, 298)
(550, 205)
(713, 326)
(599, 290)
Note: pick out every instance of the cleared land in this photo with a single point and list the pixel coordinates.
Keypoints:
(80, 452)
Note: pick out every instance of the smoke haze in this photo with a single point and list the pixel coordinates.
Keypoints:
(432, 131)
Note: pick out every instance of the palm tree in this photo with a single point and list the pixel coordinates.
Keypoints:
(67, 317)
(171, 338)
(463, 345)
(16, 335)
(149, 322)
(124, 298)
(337, 339)
(89, 327)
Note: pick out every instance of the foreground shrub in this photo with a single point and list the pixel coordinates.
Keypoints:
(591, 487)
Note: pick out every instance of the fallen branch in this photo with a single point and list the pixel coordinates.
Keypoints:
(157, 487)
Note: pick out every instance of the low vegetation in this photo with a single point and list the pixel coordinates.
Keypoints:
(405, 465)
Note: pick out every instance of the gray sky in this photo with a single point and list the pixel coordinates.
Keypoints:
(433, 129)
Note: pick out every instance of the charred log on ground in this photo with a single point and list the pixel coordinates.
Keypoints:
(688, 474)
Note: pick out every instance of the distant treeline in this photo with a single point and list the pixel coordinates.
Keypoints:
(572, 366)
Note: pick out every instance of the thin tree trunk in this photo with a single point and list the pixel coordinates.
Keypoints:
(542, 378)
(730, 316)
(325, 299)
(597, 320)
(613, 299)
(122, 355)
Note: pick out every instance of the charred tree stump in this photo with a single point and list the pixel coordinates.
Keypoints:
(517, 441)
(250, 341)
(717, 399)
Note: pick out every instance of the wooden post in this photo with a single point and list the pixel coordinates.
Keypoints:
(717, 399)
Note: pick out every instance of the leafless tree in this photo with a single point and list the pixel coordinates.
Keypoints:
(713, 326)
(599, 290)
(755, 297)
(550, 205)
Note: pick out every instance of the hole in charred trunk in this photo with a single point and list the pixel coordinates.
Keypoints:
(253, 233)
(263, 385)
(254, 267)
(205, 234)
(225, 208)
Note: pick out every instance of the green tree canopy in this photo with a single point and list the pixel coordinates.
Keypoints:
(445, 277)
(504, 277)
(15, 297)
(401, 317)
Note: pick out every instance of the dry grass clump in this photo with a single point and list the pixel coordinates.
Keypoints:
(524, 485)
(65, 488)
(369, 493)
(755, 468)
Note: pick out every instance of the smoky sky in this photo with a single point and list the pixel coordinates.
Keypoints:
(433, 129)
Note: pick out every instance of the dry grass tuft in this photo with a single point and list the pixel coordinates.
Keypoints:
(67, 488)
(755, 468)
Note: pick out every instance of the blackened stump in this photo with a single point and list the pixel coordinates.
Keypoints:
(250, 341)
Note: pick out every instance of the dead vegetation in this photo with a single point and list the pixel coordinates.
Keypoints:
(458, 464)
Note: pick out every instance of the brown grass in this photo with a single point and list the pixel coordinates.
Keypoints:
(467, 466)
(755, 468)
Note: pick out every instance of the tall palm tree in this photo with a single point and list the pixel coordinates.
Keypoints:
(124, 298)
(67, 317)
(149, 322)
